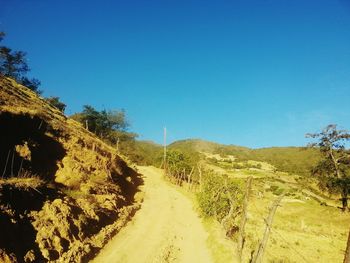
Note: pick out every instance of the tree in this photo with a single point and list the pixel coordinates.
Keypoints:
(13, 64)
(55, 101)
(221, 197)
(111, 126)
(117, 120)
(92, 118)
(103, 123)
(32, 84)
(333, 171)
(178, 163)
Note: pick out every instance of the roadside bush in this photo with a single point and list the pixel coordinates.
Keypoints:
(180, 166)
(219, 197)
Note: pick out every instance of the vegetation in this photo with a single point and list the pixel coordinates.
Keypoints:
(13, 64)
(221, 198)
(179, 163)
(294, 160)
(143, 152)
(55, 101)
(112, 127)
(333, 171)
(24, 180)
(180, 168)
(218, 196)
(102, 123)
(56, 178)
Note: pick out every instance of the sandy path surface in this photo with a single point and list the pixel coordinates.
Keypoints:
(165, 229)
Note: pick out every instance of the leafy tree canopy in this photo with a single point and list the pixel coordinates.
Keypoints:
(110, 125)
(178, 162)
(333, 171)
(13, 64)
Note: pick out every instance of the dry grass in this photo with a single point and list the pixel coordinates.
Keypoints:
(79, 179)
(303, 230)
(25, 181)
(222, 248)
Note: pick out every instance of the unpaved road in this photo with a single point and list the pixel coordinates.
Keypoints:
(165, 229)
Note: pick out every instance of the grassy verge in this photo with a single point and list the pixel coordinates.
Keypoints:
(222, 248)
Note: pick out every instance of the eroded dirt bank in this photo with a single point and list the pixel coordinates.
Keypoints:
(165, 229)
(63, 192)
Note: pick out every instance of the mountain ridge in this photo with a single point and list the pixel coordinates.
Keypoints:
(292, 159)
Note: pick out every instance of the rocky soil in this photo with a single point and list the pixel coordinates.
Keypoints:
(63, 192)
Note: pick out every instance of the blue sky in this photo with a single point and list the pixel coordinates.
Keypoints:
(253, 73)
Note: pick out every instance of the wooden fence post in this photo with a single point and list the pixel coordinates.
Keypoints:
(189, 179)
(200, 177)
(258, 257)
(241, 236)
(347, 251)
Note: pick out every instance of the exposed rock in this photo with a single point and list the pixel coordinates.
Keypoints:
(7, 258)
(30, 256)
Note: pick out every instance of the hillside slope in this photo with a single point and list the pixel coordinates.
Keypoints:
(297, 160)
(63, 192)
(308, 225)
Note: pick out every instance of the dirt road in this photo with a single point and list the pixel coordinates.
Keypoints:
(165, 229)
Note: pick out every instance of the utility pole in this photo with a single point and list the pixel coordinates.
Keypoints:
(258, 257)
(164, 154)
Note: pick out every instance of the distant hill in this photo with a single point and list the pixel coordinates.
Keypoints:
(295, 160)
(298, 160)
(199, 145)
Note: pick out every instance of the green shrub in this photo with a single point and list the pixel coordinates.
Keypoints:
(217, 195)
(276, 190)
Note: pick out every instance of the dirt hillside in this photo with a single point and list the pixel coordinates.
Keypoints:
(63, 192)
(165, 229)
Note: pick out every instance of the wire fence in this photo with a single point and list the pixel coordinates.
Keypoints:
(290, 245)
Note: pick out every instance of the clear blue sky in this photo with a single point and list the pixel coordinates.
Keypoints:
(253, 73)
